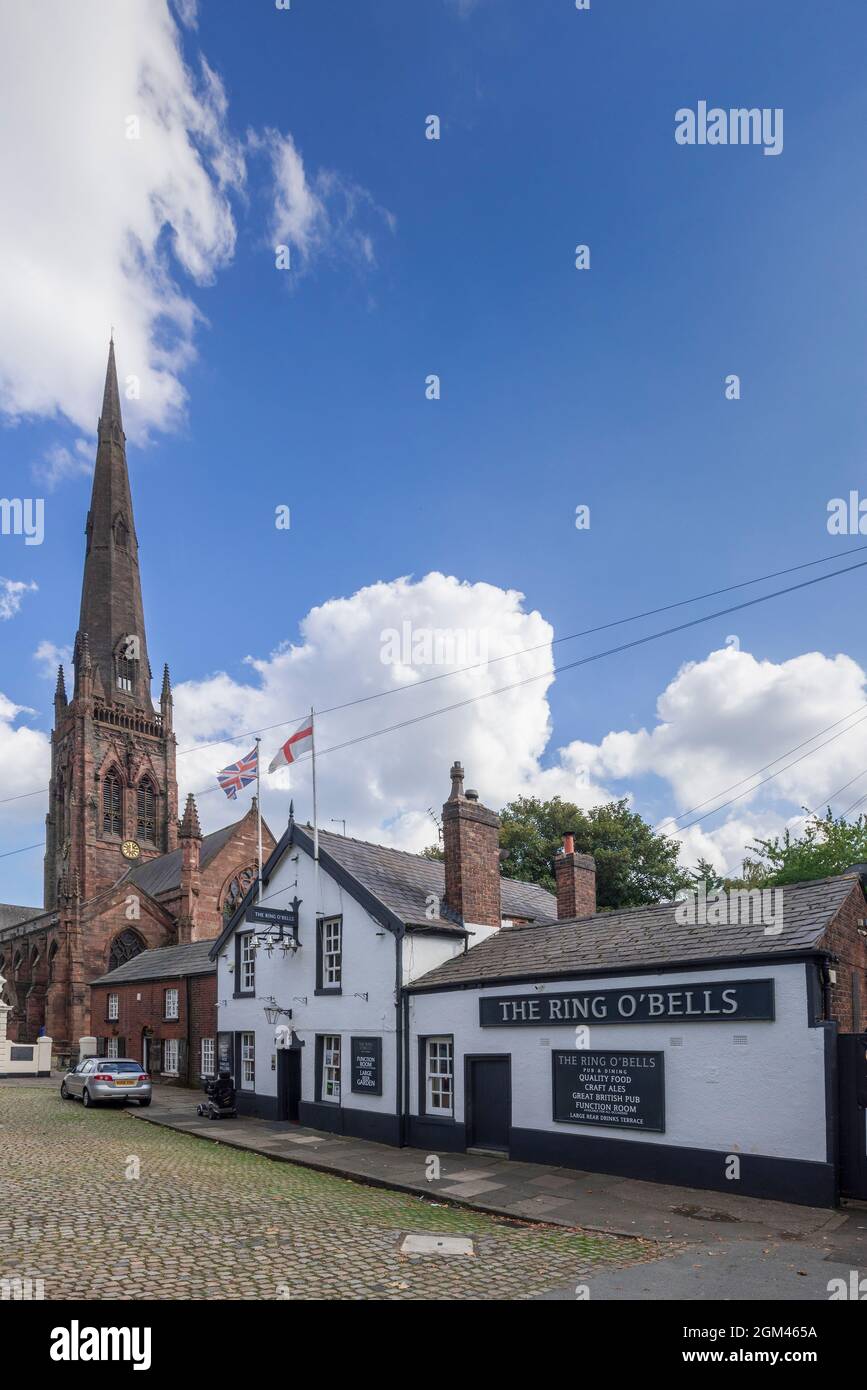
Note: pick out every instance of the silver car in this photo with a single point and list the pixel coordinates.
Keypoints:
(107, 1078)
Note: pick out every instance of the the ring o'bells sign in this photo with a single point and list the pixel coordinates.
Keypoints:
(716, 1001)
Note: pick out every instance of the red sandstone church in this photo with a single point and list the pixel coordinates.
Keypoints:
(122, 873)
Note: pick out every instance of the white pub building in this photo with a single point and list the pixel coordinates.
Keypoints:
(395, 998)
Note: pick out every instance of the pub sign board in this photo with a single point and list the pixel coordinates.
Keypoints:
(621, 1090)
(366, 1058)
(719, 1001)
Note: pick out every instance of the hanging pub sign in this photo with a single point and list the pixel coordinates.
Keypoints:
(272, 916)
(622, 1090)
(366, 1055)
(720, 1001)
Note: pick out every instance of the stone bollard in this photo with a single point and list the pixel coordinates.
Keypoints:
(43, 1056)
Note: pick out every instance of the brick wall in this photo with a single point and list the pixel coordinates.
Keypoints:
(141, 1004)
(576, 885)
(849, 994)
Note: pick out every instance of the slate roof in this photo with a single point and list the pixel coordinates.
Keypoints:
(404, 882)
(641, 937)
(167, 962)
(11, 916)
(164, 874)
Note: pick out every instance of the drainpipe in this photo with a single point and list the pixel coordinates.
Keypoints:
(189, 983)
(398, 1033)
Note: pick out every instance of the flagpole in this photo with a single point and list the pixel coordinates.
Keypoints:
(315, 813)
(259, 817)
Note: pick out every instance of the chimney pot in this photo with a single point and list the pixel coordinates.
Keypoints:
(569, 842)
(471, 795)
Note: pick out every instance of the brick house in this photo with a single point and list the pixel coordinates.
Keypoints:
(161, 1009)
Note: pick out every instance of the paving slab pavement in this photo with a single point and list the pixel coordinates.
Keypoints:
(529, 1191)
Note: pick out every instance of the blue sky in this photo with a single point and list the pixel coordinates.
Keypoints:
(559, 387)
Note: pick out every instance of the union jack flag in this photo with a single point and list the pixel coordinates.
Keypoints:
(239, 775)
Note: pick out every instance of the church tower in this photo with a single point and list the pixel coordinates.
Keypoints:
(113, 798)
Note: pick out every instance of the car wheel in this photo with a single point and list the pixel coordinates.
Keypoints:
(63, 1091)
(145, 1102)
(86, 1098)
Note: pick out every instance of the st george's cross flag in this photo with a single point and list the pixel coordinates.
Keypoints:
(295, 746)
(238, 775)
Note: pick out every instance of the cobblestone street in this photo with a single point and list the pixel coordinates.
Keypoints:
(100, 1206)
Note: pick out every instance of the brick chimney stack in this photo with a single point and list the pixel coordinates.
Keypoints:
(576, 881)
(471, 841)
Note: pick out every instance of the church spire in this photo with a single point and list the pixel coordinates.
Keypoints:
(112, 614)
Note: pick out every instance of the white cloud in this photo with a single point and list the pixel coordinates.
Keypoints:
(25, 756)
(383, 787)
(188, 12)
(89, 215)
(12, 592)
(48, 657)
(326, 213)
(723, 718)
(59, 463)
(719, 720)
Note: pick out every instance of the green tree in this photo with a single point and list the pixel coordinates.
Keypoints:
(827, 845)
(634, 864)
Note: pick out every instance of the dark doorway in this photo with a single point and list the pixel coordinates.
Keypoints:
(852, 1057)
(288, 1083)
(488, 1102)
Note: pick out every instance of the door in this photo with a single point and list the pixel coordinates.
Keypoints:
(288, 1083)
(488, 1102)
(852, 1057)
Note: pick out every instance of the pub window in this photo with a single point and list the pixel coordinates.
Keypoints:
(146, 815)
(329, 965)
(208, 1057)
(113, 1002)
(331, 1067)
(170, 1056)
(112, 805)
(171, 997)
(439, 1076)
(247, 980)
(111, 1049)
(248, 1061)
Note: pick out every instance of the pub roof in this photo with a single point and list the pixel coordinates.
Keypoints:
(643, 938)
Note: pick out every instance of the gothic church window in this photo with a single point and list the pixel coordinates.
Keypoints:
(124, 947)
(237, 891)
(112, 805)
(146, 822)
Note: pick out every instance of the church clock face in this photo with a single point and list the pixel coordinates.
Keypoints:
(130, 849)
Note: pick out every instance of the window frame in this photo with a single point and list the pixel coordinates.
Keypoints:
(324, 985)
(171, 1017)
(245, 960)
(170, 1046)
(326, 1065)
(427, 1077)
(112, 1008)
(247, 1058)
(210, 1043)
